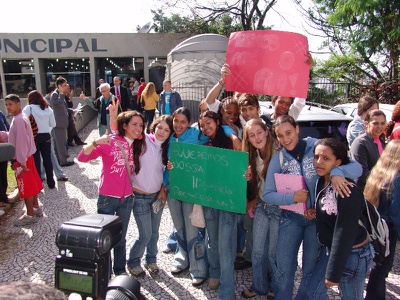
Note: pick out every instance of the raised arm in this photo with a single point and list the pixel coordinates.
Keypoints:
(214, 92)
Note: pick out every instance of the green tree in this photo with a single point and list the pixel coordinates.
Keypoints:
(363, 37)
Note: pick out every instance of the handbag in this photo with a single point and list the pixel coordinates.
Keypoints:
(127, 166)
(197, 216)
(33, 124)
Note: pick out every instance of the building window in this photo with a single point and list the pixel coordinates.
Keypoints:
(75, 71)
(19, 77)
(123, 67)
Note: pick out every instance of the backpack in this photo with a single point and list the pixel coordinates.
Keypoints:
(378, 231)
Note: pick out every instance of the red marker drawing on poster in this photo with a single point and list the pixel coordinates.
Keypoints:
(268, 62)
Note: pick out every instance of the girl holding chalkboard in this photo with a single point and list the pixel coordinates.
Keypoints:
(296, 157)
(191, 252)
(258, 142)
(221, 225)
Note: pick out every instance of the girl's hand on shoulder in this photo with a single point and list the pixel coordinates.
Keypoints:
(170, 165)
(341, 185)
(300, 196)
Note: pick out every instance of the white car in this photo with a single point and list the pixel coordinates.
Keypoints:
(350, 109)
(317, 122)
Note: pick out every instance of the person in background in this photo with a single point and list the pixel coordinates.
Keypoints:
(4, 126)
(357, 126)
(133, 87)
(116, 152)
(72, 133)
(121, 93)
(392, 130)
(60, 175)
(101, 104)
(346, 255)
(383, 191)
(149, 99)
(28, 179)
(98, 93)
(170, 100)
(287, 106)
(258, 142)
(368, 147)
(40, 109)
(60, 110)
(139, 94)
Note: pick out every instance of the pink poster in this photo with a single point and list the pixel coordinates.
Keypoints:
(268, 62)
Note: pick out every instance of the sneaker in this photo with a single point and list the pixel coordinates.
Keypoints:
(152, 268)
(25, 220)
(38, 212)
(213, 284)
(136, 271)
(196, 282)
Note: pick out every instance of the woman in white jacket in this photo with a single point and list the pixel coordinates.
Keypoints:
(40, 109)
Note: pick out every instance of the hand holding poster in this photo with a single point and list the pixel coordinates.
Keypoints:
(209, 176)
(268, 62)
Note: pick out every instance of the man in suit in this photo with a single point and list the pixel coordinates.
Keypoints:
(61, 115)
(121, 93)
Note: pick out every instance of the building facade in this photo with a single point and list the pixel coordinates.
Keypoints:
(33, 61)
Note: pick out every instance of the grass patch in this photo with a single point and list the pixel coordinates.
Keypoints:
(12, 183)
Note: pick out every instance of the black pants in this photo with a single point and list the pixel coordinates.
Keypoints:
(3, 181)
(72, 133)
(149, 117)
(43, 147)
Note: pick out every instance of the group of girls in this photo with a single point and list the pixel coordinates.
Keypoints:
(278, 233)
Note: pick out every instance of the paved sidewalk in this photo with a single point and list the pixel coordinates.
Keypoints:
(29, 253)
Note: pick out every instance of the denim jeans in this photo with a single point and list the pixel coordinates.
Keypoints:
(241, 234)
(294, 229)
(351, 284)
(265, 241)
(114, 206)
(148, 224)
(222, 243)
(171, 241)
(376, 288)
(191, 252)
(248, 226)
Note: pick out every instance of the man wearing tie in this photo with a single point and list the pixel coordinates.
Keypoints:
(121, 93)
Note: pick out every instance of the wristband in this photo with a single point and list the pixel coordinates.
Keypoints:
(221, 82)
(94, 143)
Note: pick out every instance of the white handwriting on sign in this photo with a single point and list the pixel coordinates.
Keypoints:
(188, 167)
(201, 155)
(200, 184)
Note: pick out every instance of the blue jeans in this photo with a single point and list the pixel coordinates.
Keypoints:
(191, 252)
(171, 241)
(241, 234)
(376, 288)
(113, 206)
(148, 224)
(353, 277)
(265, 241)
(248, 226)
(294, 229)
(222, 243)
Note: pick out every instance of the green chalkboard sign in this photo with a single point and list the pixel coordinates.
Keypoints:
(209, 176)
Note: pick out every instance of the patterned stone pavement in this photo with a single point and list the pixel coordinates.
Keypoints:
(28, 253)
